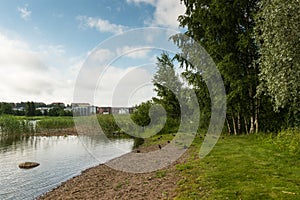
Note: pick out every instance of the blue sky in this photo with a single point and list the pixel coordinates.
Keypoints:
(43, 44)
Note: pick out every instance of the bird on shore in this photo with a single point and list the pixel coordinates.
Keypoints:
(159, 146)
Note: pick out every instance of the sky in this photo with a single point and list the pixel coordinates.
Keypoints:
(47, 46)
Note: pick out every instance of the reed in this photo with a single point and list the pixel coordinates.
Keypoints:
(55, 123)
(10, 125)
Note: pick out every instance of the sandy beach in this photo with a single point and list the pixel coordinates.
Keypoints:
(103, 182)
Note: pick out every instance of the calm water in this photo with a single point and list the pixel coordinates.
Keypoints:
(60, 159)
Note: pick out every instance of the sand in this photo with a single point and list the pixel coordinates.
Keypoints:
(103, 182)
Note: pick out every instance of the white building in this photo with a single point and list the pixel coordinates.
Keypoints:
(83, 109)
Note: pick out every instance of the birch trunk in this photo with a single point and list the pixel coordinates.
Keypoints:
(228, 126)
(234, 125)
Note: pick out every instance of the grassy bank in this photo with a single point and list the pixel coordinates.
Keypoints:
(239, 167)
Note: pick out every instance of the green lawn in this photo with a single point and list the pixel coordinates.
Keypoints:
(240, 167)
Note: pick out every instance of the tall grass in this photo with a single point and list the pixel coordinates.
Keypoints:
(10, 125)
(288, 140)
(55, 123)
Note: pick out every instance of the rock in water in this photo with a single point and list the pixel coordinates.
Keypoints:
(28, 165)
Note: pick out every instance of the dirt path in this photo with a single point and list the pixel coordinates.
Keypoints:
(102, 182)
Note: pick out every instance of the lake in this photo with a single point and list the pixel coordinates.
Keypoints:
(60, 158)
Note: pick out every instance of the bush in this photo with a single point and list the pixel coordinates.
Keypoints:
(289, 140)
(108, 124)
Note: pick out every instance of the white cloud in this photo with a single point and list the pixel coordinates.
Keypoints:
(166, 12)
(102, 25)
(124, 87)
(47, 75)
(100, 56)
(133, 52)
(24, 12)
(25, 76)
(99, 82)
(58, 50)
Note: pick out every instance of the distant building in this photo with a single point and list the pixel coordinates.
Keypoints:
(114, 110)
(104, 110)
(121, 110)
(83, 109)
(44, 109)
(19, 109)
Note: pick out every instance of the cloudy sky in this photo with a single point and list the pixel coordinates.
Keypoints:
(45, 44)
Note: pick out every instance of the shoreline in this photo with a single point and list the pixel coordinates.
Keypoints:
(103, 182)
(58, 132)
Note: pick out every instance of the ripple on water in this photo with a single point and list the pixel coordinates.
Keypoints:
(60, 159)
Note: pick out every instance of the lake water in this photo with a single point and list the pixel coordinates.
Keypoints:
(60, 158)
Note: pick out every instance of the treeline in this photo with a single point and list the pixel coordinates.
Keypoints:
(255, 46)
(34, 109)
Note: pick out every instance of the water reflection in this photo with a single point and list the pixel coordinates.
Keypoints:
(11, 141)
(60, 158)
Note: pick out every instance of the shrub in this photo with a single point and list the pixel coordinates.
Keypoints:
(289, 140)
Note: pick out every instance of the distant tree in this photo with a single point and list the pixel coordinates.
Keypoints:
(54, 112)
(68, 113)
(30, 109)
(141, 114)
(278, 35)
(38, 113)
(19, 112)
(61, 112)
(6, 108)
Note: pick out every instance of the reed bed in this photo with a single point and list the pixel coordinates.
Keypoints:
(10, 125)
(55, 123)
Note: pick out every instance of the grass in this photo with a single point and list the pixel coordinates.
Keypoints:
(14, 125)
(11, 126)
(160, 174)
(240, 167)
(55, 123)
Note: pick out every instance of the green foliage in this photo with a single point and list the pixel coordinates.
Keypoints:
(289, 140)
(58, 110)
(278, 35)
(160, 174)
(224, 28)
(141, 114)
(166, 106)
(6, 108)
(10, 125)
(141, 117)
(167, 86)
(108, 124)
(55, 123)
(30, 109)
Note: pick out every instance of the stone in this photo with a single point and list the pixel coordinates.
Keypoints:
(28, 165)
